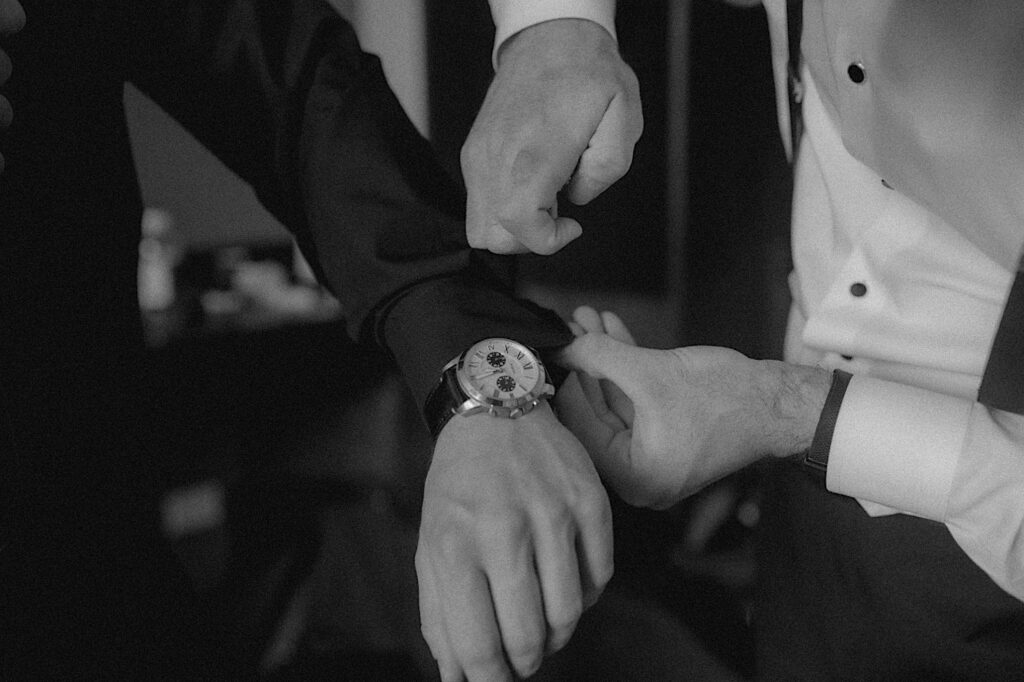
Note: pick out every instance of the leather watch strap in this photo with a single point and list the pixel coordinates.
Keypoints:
(440, 405)
(817, 457)
(1002, 385)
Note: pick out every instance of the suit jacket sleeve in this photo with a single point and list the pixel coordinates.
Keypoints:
(282, 93)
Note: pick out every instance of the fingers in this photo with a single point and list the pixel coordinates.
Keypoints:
(559, 573)
(594, 548)
(596, 394)
(606, 401)
(616, 328)
(518, 604)
(589, 319)
(504, 504)
(12, 16)
(518, 212)
(603, 357)
(563, 108)
(542, 235)
(579, 411)
(432, 620)
(469, 620)
(609, 402)
(609, 153)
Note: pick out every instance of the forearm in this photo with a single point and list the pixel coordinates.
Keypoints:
(512, 16)
(282, 93)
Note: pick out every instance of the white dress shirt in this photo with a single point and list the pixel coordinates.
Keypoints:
(902, 282)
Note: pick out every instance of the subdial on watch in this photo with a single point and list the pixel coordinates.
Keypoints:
(495, 359)
(505, 383)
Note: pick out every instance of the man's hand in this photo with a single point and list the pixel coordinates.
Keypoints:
(12, 20)
(700, 413)
(563, 110)
(515, 541)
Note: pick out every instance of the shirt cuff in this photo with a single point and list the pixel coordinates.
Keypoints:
(512, 16)
(898, 446)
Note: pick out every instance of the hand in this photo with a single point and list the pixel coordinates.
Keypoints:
(515, 541)
(561, 101)
(12, 20)
(701, 413)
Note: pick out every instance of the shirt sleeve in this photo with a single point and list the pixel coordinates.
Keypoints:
(512, 16)
(282, 94)
(948, 459)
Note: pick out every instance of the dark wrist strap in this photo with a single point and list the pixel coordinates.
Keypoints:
(794, 29)
(1002, 384)
(440, 406)
(555, 373)
(817, 457)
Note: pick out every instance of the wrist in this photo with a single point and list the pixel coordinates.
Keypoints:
(562, 41)
(792, 397)
(512, 17)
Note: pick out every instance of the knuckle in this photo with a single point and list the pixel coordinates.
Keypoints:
(501, 244)
(502, 530)
(527, 162)
(494, 238)
(594, 505)
(560, 519)
(451, 548)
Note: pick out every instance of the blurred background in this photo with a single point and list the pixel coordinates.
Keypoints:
(293, 478)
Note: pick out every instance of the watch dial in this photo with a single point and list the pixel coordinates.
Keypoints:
(501, 370)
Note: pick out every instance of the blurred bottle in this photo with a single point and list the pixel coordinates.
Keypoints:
(160, 252)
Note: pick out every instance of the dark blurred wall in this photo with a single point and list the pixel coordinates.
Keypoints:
(736, 244)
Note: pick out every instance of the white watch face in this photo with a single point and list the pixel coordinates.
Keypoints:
(501, 372)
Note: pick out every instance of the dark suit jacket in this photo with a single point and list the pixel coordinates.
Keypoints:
(281, 92)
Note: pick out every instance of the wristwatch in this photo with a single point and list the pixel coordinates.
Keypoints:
(500, 377)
